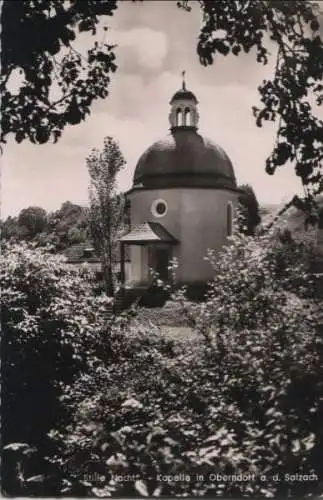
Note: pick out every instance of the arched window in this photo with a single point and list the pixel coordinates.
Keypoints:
(179, 117)
(229, 218)
(187, 117)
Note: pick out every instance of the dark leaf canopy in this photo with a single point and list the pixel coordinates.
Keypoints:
(295, 90)
(249, 207)
(58, 84)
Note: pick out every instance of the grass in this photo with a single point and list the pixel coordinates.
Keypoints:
(170, 315)
(170, 320)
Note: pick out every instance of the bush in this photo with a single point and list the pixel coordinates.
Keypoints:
(264, 329)
(52, 329)
(243, 402)
(157, 412)
(257, 282)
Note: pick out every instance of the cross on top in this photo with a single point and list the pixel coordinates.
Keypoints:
(184, 83)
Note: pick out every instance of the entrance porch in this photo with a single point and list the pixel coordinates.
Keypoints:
(151, 250)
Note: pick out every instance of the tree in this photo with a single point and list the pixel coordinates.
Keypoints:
(249, 207)
(10, 228)
(60, 229)
(51, 323)
(234, 27)
(34, 219)
(106, 207)
(69, 224)
(59, 84)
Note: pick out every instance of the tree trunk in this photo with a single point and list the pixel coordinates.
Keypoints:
(107, 269)
(279, 214)
(105, 274)
(110, 267)
(110, 280)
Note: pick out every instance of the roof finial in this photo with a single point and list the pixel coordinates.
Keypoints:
(183, 84)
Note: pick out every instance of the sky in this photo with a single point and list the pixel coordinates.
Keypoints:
(156, 42)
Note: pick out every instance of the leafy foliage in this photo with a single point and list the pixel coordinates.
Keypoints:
(68, 226)
(249, 209)
(244, 398)
(294, 27)
(106, 205)
(60, 229)
(34, 219)
(10, 229)
(59, 84)
(51, 321)
(256, 281)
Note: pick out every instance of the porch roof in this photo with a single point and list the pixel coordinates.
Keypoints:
(148, 232)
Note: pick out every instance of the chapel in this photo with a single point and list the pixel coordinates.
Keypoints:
(180, 205)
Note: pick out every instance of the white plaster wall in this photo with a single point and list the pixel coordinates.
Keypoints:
(135, 262)
(145, 272)
(196, 217)
(128, 272)
(139, 267)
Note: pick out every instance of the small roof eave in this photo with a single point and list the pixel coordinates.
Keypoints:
(148, 232)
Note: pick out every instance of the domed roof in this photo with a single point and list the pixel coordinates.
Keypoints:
(183, 94)
(184, 159)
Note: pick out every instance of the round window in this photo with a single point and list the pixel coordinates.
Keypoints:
(159, 208)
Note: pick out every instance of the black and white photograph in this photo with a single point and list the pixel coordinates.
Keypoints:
(161, 257)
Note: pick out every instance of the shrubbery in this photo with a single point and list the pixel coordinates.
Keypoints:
(52, 329)
(244, 399)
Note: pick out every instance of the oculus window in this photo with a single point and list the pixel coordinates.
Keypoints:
(159, 208)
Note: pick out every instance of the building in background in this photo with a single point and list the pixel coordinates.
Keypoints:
(181, 202)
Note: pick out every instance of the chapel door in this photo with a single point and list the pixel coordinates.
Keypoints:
(160, 257)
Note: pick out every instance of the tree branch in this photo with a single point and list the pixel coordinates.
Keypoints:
(280, 213)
